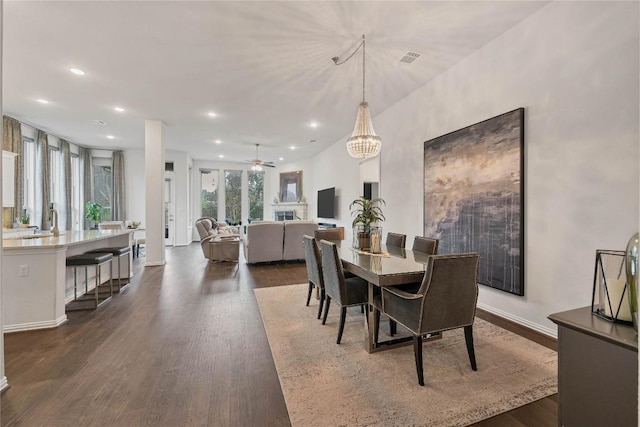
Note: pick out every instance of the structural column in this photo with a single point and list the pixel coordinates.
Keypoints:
(154, 192)
(3, 378)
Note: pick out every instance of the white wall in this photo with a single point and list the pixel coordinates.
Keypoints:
(574, 67)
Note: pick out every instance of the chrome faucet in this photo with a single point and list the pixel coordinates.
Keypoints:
(54, 231)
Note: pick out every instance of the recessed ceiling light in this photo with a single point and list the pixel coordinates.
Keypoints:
(43, 101)
(292, 147)
(110, 137)
(313, 141)
(77, 71)
(221, 156)
(217, 141)
(313, 124)
(211, 114)
(119, 109)
(281, 158)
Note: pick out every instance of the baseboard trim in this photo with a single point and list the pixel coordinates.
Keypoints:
(549, 332)
(21, 327)
(155, 263)
(4, 384)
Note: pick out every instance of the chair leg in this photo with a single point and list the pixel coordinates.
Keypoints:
(343, 317)
(362, 308)
(417, 352)
(468, 337)
(309, 293)
(326, 309)
(393, 327)
(376, 325)
(322, 298)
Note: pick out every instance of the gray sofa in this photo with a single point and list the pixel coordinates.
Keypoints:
(267, 241)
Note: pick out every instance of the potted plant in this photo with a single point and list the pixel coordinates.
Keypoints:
(367, 213)
(93, 213)
(24, 220)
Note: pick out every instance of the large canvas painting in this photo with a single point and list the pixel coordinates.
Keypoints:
(474, 197)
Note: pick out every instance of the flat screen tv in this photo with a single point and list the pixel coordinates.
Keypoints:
(326, 200)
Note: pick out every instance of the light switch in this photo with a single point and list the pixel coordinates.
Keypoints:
(23, 270)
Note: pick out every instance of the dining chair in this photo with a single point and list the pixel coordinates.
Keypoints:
(314, 269)
(446, 300)
(347, 292)
(426, 245)
(397, 240)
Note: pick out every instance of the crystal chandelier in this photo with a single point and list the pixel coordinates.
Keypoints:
(364, 142)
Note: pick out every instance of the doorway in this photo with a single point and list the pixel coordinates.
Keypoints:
(169, 210)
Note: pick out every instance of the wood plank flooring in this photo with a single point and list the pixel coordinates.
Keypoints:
(183, 345)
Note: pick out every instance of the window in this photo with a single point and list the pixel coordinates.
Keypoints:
(102, 185)
(233, 196)
(256, 195)
(209, 193)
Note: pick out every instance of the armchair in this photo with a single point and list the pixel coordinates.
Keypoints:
(216, 244)
(445, 300)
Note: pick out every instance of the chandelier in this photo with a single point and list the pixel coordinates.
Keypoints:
(363, 143)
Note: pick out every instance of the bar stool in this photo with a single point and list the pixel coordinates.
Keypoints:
(85, 260)
(117, 253)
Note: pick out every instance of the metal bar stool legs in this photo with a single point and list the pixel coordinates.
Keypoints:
(118, 253)
(85, 260)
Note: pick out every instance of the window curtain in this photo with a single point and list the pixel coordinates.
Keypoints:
(87, 195)
(12, 141)
(118, 207)
(65, 211)
(44, 179)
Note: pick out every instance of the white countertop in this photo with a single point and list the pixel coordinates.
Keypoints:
(66, 238)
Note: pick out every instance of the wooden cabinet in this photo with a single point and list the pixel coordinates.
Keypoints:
(8, 182)
(597, 371)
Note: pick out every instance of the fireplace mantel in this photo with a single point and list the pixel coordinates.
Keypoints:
(288, 210)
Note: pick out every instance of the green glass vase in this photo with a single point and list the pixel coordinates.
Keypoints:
(631, 261)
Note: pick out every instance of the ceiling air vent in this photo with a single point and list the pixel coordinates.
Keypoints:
(409, 57)
(99, 122)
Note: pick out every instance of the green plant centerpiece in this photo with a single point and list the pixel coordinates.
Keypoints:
(367, 214)
(93, 213)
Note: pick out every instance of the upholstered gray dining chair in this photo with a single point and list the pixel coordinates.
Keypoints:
(426, 245)
(345, 291)
(314, 269)
(446, 300)
(397, 240)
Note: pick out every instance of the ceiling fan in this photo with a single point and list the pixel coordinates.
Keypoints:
(257, 163)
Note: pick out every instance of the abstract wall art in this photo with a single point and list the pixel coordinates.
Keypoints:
(474, 196)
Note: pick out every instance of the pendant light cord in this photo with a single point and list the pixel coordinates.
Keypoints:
(337, 61)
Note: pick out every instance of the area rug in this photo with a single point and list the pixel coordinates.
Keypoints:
(326, 384)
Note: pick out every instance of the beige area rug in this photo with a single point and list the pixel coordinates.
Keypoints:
(326, 384)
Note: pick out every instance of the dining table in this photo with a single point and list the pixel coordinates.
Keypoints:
(393, 266)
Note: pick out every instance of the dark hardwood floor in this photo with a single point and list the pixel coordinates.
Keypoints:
(184, 345)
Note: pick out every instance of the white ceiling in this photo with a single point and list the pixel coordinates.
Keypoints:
(264, 67)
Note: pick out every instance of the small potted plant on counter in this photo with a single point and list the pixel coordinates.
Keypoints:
(93, 213)
(24, 220)
(367, 213)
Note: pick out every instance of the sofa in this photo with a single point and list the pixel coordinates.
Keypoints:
(268, 241)
(219, 242)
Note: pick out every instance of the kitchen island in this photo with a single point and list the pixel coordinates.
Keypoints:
(36, 283)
